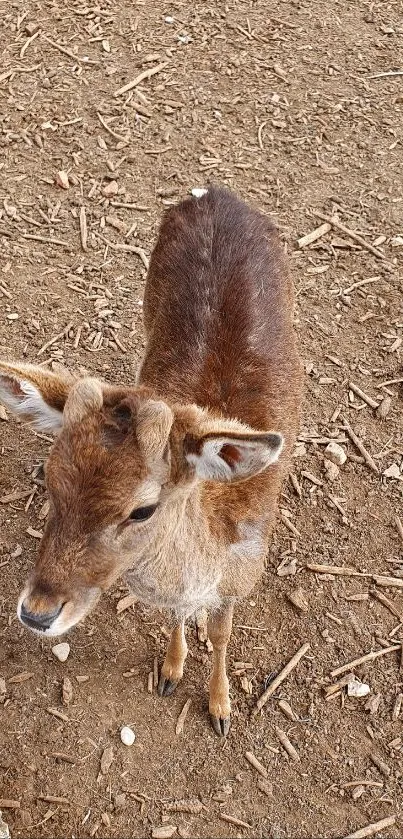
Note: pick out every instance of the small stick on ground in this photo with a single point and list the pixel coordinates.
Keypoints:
(363, 783)
(182, 716)
(259, 135)
(360, 283)
(146, 74)
(54, 799)
(340, 570)
(280, 678)
(83, 229)
(46, 240)
(364, 396)
(234, 820)
(9, 804)
(116, 246)
(363, 659)
(286, 743)
(387, 603)
(372, 828)
(394, 582)
(351, 233)
(295, 483)
(150, 682)
(360, 446)
(250, 757)
(381, 765)
(114, 134)
(314, 235)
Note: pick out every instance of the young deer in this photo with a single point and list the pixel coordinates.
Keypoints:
(175, 480)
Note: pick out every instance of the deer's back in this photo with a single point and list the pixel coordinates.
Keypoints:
(218, 313)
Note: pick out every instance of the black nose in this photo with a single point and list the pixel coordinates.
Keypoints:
(40, 621)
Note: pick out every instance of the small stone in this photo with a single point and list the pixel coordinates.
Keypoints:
(336, 454)
(31, 28)
(357, 689)
(12, 316)
(3, 413)
(127, 736)
(61, 651)
(67, 691)
(384, 407)
(287, 568)
(106, 45)
(81, 679)
(62, 179)
(111, 188)
(393, 471)
(120, 801)
(332, 471)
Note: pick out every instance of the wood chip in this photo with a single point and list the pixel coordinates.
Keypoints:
(20, 678)
(107, 759)
(64, 757)
(399, 528)
(397, 707)
(362, 395)
(265, 786)
(54, 712)
(286, 709)
(381, 765)
(334, 222)
(165, 831)
(83, 229)
(372, 828)
(280, 678)
(287, 745)
(182, 716)
(393, 582)
(54, 799)
(9, 804)
(67, 691)
(250, 757)
(298, 599)
(341, 570)
(314, 235)
(125, 603)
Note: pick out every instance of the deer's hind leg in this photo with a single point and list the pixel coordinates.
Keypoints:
(172, 668)
(219, 631)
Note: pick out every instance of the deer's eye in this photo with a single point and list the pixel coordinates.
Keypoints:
(143, 513)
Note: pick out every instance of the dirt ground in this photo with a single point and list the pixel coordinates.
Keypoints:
(283, 102)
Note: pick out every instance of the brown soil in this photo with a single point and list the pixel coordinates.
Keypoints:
(278, 101)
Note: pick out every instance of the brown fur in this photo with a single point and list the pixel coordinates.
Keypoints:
(221, 371)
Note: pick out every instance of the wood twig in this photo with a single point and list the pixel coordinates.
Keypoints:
(399, 527)
(250, 757)
(286, 744)
(394, 582)
(364, 396)
(340, 570)
(280, 678)
(351, 233)
(387, 603)
(360, 446)
(83, 229)
(114, 134)
(117, 246)
(47, 240)
(146, 74)
(314, 235)
(233, 820)
(363, 659)
(372, 828)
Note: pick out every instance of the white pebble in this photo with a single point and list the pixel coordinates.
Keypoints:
(61, 651)
(127, 736)
(357, 688)
(336, 454)
(198, 192)
(169, 19)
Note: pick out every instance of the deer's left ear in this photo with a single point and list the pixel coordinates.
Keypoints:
(217, 457)
(34, 394)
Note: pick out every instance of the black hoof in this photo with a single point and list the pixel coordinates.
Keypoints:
(166, 686)
(221, 726)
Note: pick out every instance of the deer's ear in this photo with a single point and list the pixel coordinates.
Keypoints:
(218, 457)
(34, 394)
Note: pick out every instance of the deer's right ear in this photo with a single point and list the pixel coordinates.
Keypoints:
(34, 394)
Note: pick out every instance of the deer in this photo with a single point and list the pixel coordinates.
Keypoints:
(174, 480)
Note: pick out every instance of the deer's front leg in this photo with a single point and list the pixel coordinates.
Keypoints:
(172, 668)
(219, 631)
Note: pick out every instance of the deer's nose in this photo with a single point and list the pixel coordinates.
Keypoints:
(39, 620)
